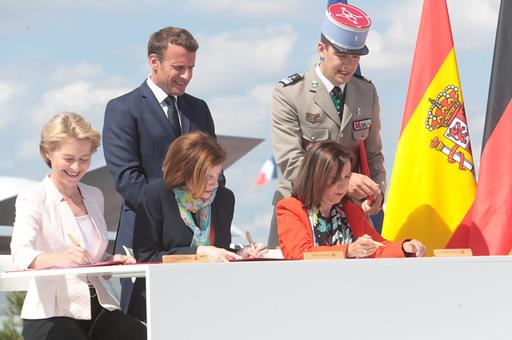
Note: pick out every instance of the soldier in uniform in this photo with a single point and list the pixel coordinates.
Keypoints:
(329, 102)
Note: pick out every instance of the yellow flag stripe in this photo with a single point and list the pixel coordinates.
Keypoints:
(428, 195)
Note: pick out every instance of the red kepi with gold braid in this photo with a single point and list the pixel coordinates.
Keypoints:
(487, 228)
(432, 185)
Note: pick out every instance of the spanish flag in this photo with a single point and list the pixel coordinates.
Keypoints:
(487, 229)
(432, 185)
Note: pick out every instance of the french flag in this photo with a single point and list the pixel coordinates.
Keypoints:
(268, 171)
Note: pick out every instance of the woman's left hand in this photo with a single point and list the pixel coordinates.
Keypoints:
(125, 258)
(415, 247)
(256, 251)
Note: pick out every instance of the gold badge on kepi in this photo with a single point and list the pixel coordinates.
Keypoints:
(313, 118)
(363, 124)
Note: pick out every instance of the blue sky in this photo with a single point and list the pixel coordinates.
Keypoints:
(75, 55)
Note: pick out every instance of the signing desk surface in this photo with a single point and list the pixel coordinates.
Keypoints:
(428, 298)
(133, 270)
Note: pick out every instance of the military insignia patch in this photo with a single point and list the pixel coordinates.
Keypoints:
(362, 124)
(294, 78)
(313, 118)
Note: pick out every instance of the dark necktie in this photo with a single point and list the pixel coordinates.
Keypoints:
(172, 115)
(337, 99)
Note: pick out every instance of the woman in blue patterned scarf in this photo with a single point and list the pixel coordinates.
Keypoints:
(186, 212)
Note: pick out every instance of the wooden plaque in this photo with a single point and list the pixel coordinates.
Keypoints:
(453, 252)
(324, 255)
(185, 258)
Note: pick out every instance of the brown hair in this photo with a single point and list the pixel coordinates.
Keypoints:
(66, 125)
(189, 158)
(160, 40)
(313, 177)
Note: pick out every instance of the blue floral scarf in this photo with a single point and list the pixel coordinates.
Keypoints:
(189, 205)
(330, 231)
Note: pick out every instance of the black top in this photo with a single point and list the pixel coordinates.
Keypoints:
(160, 230)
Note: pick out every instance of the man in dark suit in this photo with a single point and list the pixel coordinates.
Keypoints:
(140, 125)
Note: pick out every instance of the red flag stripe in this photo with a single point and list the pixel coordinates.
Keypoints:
(486, 227)
(425, 63)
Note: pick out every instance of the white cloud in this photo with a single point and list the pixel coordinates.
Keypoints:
(473, 25)
(8, 91)
(243, 115)
(382, 56)
(228, 61)
(245, 8)
(28, 149)
(84, 97)
(82, 71)
(393, 46)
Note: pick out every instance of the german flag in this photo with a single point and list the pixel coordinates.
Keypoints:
(432, 185)
(487, 229)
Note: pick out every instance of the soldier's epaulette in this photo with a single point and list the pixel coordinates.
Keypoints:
(294, 78)
(362, 78)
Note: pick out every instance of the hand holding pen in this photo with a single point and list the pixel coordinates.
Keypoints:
(364, 246)
(76, 255)
(254, 249)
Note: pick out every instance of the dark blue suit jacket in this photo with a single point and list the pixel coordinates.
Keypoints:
(136, 136)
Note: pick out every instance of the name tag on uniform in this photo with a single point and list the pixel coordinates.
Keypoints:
(363, 124)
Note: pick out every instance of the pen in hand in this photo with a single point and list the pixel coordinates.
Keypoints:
(74, 240)
(258, 249)
(77, 244)
(376, 243)
(249, 238)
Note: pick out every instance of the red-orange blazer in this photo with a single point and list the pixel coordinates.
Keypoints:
(296, 238)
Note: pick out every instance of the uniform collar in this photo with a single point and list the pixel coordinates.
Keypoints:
(328, 85)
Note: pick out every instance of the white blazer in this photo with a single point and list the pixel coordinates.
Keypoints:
(43, 222)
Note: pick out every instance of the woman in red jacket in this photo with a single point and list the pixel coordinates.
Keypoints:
(318, 217)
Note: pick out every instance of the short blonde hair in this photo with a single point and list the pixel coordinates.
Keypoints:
(66, 125)
(189, 158)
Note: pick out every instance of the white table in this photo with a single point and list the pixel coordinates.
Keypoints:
(133, 270)
(429, 298)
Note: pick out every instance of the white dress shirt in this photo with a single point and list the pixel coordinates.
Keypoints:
(327, 83)
(161, 96)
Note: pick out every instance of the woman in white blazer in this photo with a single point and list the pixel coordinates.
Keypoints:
(60, 223)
